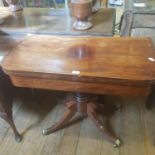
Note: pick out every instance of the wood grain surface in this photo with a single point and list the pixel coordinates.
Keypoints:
(84, 59)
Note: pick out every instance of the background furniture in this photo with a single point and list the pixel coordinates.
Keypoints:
(6, 97)
(140, 23)
(7, 43)
(37, 3)
(55, 21)
(53, 3)
(149, 5)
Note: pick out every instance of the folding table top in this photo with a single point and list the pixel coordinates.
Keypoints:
(83, 58)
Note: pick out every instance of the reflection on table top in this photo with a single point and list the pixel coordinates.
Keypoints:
(55, 21)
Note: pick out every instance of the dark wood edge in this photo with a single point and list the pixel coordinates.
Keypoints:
(85, 87)
(78, 78)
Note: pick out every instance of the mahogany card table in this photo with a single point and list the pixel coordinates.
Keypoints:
(84, 66)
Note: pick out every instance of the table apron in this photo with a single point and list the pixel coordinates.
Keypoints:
(94, 88)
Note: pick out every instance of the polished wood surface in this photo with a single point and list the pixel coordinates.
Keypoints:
(7, 43)
(84, 59)
(55, 21)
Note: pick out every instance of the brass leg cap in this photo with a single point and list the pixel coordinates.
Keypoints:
(117, 143)
(45, 132)
(18, 138)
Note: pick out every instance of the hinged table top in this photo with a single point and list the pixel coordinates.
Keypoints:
(83, 58)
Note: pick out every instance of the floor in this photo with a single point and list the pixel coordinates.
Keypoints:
(133, 124)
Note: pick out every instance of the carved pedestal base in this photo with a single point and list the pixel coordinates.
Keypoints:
(80, 103)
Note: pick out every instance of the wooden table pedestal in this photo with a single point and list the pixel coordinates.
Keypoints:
(82, 104)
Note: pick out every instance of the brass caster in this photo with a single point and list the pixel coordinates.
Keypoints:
(46, 131)
(117, 143)
(18, 138)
